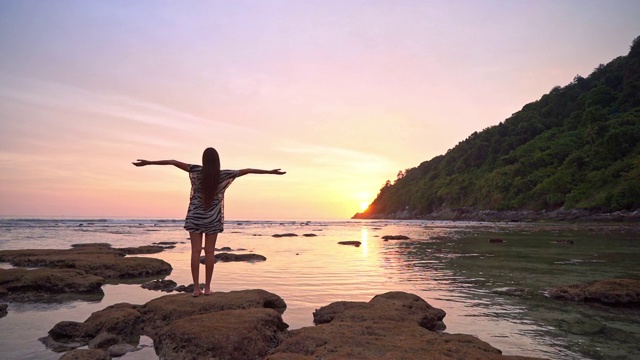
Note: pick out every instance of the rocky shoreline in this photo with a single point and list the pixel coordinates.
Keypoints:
(468, 214)
(248, 324)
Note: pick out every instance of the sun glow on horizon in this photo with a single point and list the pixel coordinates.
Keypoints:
(364, 206)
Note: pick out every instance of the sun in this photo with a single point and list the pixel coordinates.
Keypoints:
(364, 206)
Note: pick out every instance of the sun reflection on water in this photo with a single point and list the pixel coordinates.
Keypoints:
(365, 241)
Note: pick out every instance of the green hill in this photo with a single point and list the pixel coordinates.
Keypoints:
(576, 148)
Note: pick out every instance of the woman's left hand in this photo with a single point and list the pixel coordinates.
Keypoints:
(278, 172)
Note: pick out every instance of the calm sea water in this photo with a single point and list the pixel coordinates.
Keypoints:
(452, 265)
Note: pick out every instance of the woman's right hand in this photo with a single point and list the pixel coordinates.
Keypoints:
(141, 162)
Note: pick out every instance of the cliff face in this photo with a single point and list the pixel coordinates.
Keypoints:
(575, 149)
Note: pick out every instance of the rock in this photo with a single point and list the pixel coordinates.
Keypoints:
(189, 288)
(118, 350)
(389, 326)
(284, 235)
(64, 336)
(123, 320)
(166, 243)
(250, 317)
(160, 285)
(248, 325)
(309, 235)
(613, 292)
(395, 237)
(496, 240)
(103, 341)
(162, 311)
(229, 334)
(30, 285)
(350, 242)
(226, 248)
(86, 354)
(3, 310)
(229, 257)
(148, 249)
(396, 306)
(565, 242)
(94, 259)
(114, 324)
(91, 245)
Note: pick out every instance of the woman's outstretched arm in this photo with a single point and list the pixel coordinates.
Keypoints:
(258, 171)
(176, 163)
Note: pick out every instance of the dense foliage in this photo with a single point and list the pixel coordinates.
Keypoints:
(578, 147)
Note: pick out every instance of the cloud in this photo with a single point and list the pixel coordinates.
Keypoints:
(74, 99)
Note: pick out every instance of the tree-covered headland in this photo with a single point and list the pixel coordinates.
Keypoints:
(577, 149)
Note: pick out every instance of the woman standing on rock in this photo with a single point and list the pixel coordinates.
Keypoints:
(206, 207)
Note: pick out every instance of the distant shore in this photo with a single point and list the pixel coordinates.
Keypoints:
(466, 214)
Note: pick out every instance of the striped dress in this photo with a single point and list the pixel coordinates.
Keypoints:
(211, 220)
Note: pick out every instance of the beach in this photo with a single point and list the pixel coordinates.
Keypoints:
(451, 265)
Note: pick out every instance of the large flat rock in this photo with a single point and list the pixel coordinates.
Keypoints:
(162, 311)
(40, 284)
(229, 334)
(612, 292)
(96, 259)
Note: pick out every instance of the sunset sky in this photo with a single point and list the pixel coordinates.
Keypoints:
(340, 94)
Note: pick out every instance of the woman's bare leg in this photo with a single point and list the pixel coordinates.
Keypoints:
(209, 260)
(196, 250)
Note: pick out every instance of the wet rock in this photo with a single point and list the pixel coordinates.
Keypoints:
(578, 325)
(284, 235)
(103, 341)
(86, 354)
(496, 240)
(3, 310)
(390, 326)
(119, 323)
(394, 306)
(350, 242)
(229, 334)
(564, 242)
(248, 325)
(160, 285)
(118, 350)
(395, 237)
(613, 292)
(234, 325)
(162, 311)
(188, 288)
(147, 249)
(226, 248)
(91, 245)
(31, 285)
(229, 257)
(309, 235)
(94, 259)
(166, 243)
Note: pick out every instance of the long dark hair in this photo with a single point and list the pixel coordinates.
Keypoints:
(210, 176)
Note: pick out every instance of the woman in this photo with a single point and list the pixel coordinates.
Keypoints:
(206, 208)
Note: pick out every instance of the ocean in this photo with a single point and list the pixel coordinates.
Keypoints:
(451, 265)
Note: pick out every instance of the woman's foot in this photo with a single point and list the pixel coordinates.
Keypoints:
(196, 294)
(207, 291)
